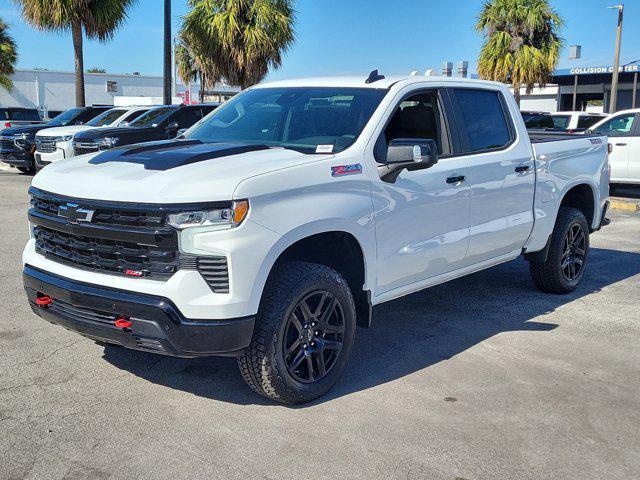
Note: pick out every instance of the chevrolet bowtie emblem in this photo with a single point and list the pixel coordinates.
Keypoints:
(74, 214)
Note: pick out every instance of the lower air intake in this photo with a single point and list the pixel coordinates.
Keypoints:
(215, 272)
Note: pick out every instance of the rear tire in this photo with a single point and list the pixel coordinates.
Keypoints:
(564, 268)
(297, 353)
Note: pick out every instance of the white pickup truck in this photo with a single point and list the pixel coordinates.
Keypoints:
(270, 229)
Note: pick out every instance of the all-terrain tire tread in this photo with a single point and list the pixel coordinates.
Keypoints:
(255, 363)
(546, 276)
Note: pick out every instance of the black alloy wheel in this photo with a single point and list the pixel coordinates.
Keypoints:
(313, 337)
(573, 252)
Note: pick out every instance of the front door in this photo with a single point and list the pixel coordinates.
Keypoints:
(421, 217)
(501, 178)
(620, 130)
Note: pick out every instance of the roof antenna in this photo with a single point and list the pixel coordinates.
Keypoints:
(374, 76)
(414, 73)
(430, 72)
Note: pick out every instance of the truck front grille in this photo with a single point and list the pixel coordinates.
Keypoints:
(7, 144)
(108, 256)
(81, 148)
(46, 144)
(121, 239)
(104, 215)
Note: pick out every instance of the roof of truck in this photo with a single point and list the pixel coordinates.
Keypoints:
(360, 81)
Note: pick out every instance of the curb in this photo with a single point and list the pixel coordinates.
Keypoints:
(625, 205)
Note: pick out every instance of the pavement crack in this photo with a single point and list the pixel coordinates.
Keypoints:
(33, 362)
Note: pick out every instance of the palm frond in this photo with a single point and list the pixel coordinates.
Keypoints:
(8, 57)
(522, 42)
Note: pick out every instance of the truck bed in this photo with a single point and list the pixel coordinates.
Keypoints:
(540, 136)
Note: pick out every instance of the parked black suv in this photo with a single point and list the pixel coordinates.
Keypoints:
(17, 144)
(160, 123)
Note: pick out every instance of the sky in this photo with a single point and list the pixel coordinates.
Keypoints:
(339, 37)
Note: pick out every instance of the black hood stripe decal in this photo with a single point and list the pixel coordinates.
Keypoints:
(172, 154)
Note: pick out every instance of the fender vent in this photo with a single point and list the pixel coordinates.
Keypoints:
(215, 272)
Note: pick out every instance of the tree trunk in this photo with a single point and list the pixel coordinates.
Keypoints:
(202, 82)
(516, 94)
(76, 34)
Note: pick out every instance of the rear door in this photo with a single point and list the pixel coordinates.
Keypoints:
(621, 130)
(501, 173)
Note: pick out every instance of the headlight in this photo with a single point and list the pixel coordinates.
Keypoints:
(231, 217)
(107, 142)
(21, 140)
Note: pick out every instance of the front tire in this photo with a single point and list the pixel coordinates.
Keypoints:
(303, 334)
(26, 170)
(564, 268)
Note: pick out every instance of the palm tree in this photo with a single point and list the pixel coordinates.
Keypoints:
(240, 39)
(8, 57)
(98, 19)
(194, 66)
(522, 43)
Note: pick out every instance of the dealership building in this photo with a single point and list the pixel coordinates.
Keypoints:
(54, 91)
(586, 87)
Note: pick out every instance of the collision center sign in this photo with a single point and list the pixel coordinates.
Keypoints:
(597, 70)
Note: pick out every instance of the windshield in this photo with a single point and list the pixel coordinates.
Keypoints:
(153, 117)
(66, 118)
(106, 118)
(310, 120)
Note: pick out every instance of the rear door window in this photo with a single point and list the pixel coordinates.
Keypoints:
(561, 121)
(132, 116)
(586, 121)
(482, 120)
(620, 126)
(186, 117)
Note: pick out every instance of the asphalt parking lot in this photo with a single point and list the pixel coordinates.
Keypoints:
(480, 378)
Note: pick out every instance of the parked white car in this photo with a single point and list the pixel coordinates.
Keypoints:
(575, 121)
(56, 143)
(272, 227)
(623, 130)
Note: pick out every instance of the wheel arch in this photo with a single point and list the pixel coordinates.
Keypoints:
(583, 197)
(338, 247)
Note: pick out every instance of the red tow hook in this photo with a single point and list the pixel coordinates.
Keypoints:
(44, 301)
(123, 322)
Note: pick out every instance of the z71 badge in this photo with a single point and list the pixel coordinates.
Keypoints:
(342, 170)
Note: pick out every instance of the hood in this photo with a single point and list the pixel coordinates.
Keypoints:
(28, 129)
(176, 171)
(63, 131)
(104, 132)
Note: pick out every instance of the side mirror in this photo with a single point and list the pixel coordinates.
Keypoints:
(410, 154)
(181, 132)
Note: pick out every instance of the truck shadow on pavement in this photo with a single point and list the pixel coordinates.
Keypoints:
(407, 335)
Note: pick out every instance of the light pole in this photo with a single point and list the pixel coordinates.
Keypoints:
(616, 62)
(166, 84)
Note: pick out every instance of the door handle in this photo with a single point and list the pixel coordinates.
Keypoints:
(621, 144)
(458, 179)
(522, 168)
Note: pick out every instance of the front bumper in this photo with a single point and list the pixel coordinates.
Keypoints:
(156, 323)
(17, 158)
(63, 150)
